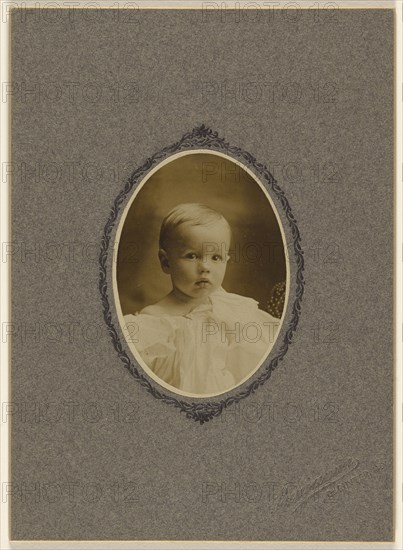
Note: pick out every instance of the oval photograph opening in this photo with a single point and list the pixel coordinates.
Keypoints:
(201, 274)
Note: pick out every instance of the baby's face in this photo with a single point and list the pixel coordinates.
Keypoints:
(197, 258)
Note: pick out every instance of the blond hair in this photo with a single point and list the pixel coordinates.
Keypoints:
(192, 213)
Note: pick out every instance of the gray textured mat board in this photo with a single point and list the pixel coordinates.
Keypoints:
(309, 454)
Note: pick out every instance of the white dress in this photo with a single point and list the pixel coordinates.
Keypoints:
(211, 349)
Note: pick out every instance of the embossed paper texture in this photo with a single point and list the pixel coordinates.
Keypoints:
(303, 96)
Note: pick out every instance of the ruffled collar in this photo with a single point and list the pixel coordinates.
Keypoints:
(204, 307)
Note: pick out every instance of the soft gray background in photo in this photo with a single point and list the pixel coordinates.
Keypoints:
(308, 456)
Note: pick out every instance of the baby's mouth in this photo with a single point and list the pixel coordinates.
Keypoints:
(203, 282)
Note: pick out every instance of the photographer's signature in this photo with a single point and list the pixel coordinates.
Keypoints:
(342, 478)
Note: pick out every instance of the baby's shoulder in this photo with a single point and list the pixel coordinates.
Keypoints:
(153, 309)
(152, 319)
(234, 300)
(243, 306)
(157, 310)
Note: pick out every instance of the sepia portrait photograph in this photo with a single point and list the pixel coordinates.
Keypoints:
(201, 263)
(200, 274)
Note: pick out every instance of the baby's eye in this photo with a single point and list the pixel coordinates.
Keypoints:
(191, 256)
(217, 258)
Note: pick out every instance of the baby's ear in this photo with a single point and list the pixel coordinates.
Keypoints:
(163, 256)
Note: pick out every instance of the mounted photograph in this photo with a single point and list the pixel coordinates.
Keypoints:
(200, 274)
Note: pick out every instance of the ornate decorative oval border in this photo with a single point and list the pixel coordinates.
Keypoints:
(201, 137)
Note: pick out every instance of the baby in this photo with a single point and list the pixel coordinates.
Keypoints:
(199, 338)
